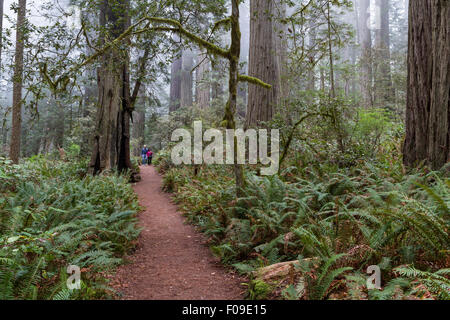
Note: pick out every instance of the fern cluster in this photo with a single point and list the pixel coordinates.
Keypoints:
(54, 216)
(365, 215)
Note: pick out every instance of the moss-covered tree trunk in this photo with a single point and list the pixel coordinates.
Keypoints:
(111, 149)
(90, 89)
(235, 53)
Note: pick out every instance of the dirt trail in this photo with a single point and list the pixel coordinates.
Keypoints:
(172, 261)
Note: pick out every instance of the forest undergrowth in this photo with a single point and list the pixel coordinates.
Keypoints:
(332, 223)
(52, 215)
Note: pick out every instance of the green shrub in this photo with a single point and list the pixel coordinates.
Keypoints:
(365, 215)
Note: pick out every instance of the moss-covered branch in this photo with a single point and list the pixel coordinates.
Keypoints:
(173, 26)
(224, 22)
(255, 81)
(212, 48)
(111, 44)
(61, 82)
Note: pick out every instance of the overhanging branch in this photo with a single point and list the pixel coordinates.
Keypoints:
(175, 26)
(212, 48)
(255, 81)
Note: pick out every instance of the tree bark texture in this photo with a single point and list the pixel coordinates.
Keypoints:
(175, 83)
(111, 148)
(18, 84)
(382, 56)
(1, 31)
(230, 110)
(366, 54)
(263, 63)
(203, 87)
(139, 130)
(428, 97)
(187, 80)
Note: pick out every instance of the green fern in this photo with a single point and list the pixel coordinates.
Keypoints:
(437, 282)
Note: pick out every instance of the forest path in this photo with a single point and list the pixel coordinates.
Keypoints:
(172, 261)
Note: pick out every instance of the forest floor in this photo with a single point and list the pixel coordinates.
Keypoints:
(172, 260)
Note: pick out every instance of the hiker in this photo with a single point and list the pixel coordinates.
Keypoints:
(149, 157)
(144, 155)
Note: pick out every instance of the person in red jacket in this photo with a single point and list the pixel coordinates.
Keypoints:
(149, 157)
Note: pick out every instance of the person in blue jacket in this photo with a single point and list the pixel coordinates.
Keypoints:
(144, 155)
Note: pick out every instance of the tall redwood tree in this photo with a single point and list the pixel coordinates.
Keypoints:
(111, 148)
(14, 153)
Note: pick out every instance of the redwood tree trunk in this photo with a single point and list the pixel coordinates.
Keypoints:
(175, 84)
(1, 31)
(230, 110)
(203, 88)
(187, 80)
(281, 47)
(263, 62)
(111, 148)
(18, 83)
(366, 54)
(428, 97)
(383, 80)
(138, 131)
(90, 91)
(3, 123)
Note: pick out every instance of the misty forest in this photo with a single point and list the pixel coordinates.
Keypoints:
(92, 92)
